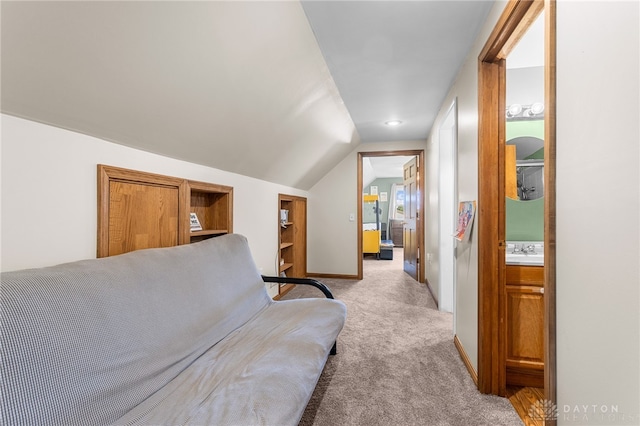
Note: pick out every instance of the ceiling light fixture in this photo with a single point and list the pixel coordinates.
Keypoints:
(393, 122)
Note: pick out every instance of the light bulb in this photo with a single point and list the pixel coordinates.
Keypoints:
(514, 110)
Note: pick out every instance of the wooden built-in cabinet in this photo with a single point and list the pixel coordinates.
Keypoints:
(139, 210)
(213, 204)
(525, 325)
(292, 236)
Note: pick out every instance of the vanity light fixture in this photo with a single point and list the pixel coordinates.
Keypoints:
(535, 109)
(393, 123)
(525, 111)
(514, 110)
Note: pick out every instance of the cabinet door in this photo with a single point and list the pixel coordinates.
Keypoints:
(525, 335)
(141, 217)
(137, 210)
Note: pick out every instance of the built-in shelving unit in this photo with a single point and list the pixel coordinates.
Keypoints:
(139, 210)
(213, 204)
(292, 223)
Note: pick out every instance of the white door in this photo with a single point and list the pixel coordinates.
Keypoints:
(447, 214)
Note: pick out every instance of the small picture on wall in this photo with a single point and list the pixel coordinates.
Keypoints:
(466, 213)
(383, 197)
(374, 190)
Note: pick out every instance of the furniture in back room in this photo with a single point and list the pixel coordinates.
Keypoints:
(371, 225)
(396, 231)
(386, 250)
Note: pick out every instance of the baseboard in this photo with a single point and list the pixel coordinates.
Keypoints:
(465, 359)
(339, 276)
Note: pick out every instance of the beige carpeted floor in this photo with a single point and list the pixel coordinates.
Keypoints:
(396, 363)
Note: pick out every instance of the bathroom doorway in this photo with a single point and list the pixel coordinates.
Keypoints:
(510, 28)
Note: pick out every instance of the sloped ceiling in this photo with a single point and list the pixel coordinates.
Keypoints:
(395, 60)
(239, 86)
(383, 167)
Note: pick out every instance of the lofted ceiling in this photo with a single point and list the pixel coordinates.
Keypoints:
(277, 90)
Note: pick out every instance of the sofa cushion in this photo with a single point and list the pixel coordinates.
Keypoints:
(262, 374)
(86, 342)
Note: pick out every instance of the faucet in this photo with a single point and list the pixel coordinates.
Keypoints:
(524, 249)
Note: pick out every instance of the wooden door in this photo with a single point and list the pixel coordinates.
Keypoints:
(142, 216)
(411, 212)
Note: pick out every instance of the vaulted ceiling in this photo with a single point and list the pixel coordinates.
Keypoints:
(276, 90)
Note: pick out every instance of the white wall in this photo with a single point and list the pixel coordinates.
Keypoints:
(598, 186)
(332, 238)
(432, 210)
(49, 195)
(598, 200)
(598, 191)
(465, 92)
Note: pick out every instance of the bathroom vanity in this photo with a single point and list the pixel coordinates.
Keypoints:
(525, 314)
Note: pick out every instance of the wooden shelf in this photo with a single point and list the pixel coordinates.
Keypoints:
(284, 289)
(285, 266)
(209, 232)
(213, 204)
(292, 239)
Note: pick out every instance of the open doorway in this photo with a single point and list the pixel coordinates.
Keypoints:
(399, 222)
(493, 295)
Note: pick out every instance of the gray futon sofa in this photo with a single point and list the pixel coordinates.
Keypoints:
(173, 336)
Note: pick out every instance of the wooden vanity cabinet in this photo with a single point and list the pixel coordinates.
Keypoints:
(525, 325)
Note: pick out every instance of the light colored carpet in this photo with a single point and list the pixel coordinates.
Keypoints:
(396, 361)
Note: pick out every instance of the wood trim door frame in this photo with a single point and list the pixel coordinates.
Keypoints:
(420, 222)
(511, 26)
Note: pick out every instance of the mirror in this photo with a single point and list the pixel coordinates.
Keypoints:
(524, 146)
(525, 159)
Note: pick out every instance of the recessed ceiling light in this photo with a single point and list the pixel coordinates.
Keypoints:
(393, 123)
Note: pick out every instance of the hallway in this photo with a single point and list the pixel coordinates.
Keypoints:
(396, 361)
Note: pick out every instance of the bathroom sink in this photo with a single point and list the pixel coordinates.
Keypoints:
(525, 259)
(525, 253)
